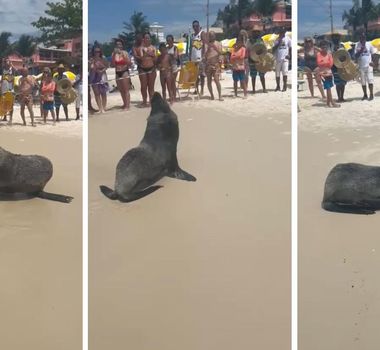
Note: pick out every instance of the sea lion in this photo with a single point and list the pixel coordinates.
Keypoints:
(24, 177)
(352, 188)
(154, 158)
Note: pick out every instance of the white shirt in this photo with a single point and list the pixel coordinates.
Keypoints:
(283, 49)
(365, 57)
(196, 47)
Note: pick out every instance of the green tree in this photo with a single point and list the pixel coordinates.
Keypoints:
(63, 21)
(369, 12)
(352, 17)
(5, 45)
(136, 25)
(25, 45)
(265, 9)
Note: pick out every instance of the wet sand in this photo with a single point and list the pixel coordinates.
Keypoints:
(41, 248)
(339, 254)
(202, 265)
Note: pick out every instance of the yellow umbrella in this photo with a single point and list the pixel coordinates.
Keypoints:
(347, 45)
(181, 47)
(69, 75)
(376, 43)
(231, 43)
(269, 40)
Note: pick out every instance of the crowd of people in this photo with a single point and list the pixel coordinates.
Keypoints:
(28, 90)
(206, 53)
(318, 64)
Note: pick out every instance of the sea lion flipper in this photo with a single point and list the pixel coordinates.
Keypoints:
(55, 197)
(348, 208)
(137, 195)
(108, 192)
(182, 175)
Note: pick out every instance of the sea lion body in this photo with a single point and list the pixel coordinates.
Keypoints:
(154, 158)
(24, 176)
(352, 188)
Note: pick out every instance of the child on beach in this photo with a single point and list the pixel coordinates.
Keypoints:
(26, 85)
(165, 64)
(47, 92)
(325, 62)
(238, 66)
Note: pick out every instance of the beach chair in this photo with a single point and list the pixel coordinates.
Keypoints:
(188, 76)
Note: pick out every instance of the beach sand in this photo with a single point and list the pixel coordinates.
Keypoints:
(202, 265)
(339, 254)
(41, 246)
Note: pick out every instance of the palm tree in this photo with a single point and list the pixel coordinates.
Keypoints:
(25, 45)
(265, 9)
(136, 25)
(352, 17)
(5, 45)
(369, 12)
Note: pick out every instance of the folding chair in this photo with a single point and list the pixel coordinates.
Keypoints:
(188, 77)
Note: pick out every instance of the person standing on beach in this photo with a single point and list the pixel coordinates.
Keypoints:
(245, 37)
(146, 57)
(238, 66)
(78, 86)
(325, 63)
(165, 65)
(363, 53)
(198, 40)
(122, 62)
(213, 57)
(340, 84)
(98, 78)
(255, 39)
(282, 48)
(48, 88)
(173, 52)
(7, 82)
(57, 96)
(26, 85)
(310, 54)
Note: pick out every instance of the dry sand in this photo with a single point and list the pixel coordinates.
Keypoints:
(41, 246)
(202, 265)
(339, 254)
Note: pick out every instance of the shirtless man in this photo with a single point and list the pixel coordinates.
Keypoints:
(26, 85)
(165, 65)
(212, 58)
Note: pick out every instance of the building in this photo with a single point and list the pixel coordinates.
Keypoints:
(158, 31)
(282, 17)
(65, 51)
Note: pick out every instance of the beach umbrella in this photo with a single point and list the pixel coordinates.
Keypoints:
(69, 75)
(376, 43)
(228, 44)
(181, 47)
(347, 45)
(269, 40)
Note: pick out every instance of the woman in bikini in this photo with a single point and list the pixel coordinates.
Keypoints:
(310, 53)
(213, 56)
(147, 57)
(122, 62)
(98, 78)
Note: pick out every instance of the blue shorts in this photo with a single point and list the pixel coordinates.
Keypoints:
(328, 82)
(238, 75)
(48, 106)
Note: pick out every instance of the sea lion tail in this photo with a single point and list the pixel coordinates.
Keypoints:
(135, 196)
(55, 197)
(108, 192)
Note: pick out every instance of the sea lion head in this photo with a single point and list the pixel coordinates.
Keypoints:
(161, 110)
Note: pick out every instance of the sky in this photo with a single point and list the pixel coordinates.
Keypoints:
(313, 16)
(106, 17)
(16, 16)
